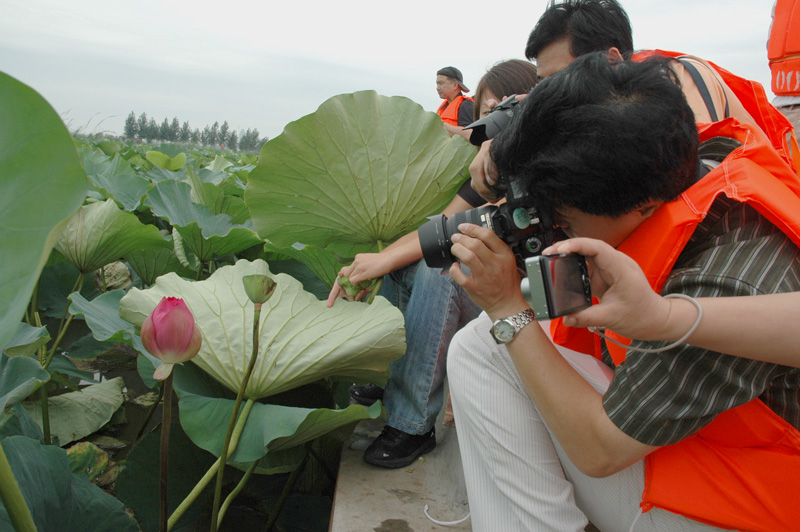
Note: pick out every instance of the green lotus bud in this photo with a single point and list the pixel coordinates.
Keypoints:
(258, 288)
(351, 289)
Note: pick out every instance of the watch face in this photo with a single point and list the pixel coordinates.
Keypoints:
(504, 331)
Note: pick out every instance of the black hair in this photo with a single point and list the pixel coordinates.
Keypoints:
(505, 78)
(603, 137)
(591, 25)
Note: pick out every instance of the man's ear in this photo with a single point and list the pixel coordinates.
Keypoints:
(647, 210)
(614, 54)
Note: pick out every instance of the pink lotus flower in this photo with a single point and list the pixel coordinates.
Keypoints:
(169, 333)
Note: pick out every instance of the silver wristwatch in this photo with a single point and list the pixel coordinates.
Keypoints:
(505, 330)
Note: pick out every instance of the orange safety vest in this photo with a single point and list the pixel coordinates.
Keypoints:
(754, 99)
(783, 48)
(449, 111)
(741, 471)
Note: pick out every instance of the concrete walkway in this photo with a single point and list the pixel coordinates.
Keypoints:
(374, 499)
(370, 498)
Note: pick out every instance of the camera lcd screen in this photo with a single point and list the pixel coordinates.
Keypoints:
(556, 285)
(566, 278)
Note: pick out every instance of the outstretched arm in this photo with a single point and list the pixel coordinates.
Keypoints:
(400, 253)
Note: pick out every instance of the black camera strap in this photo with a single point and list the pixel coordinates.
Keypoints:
(703, 89)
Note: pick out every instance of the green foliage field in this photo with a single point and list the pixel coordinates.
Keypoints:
(96, 231)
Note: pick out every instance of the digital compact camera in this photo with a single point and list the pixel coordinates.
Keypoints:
(556, 285)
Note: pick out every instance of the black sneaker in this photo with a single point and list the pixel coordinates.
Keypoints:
(366, 394)
(395, 448)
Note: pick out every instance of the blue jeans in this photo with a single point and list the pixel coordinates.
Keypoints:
(435, 308)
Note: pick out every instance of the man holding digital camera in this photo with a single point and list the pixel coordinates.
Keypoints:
(666, 437)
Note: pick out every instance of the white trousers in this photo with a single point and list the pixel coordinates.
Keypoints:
(518, 476)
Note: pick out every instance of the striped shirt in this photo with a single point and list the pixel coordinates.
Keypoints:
(661, 398)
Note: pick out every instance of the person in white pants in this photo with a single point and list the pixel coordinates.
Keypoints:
(551, 439)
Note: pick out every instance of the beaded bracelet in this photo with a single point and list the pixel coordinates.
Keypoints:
(666, 347)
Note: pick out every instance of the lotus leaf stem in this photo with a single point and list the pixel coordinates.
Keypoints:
(242, 387)
(12, 498)
(150, 412)
(287, 489)
(239, 487)
(212, 471)
(45, 362)
(45, 415)
(163, 484)
(103, 278)
(63, 326)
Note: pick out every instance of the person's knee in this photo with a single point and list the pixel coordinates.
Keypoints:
(458, 354)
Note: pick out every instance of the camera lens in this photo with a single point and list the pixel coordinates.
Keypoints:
(435, 235)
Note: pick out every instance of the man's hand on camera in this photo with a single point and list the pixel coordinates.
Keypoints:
(628, 305)
(493, 279)
(483, 170)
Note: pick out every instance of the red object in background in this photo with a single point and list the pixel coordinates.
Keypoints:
(783, 49)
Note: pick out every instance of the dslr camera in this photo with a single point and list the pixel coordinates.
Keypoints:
(526, 228)
(490, 125)
(556, 285)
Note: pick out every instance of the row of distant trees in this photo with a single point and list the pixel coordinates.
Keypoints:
(146, 128)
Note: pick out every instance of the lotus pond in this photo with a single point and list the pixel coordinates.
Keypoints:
(95, 232)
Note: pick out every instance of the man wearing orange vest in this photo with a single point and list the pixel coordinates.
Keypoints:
(654, 436)
(783, 51)
(456, 109)
(571, 28)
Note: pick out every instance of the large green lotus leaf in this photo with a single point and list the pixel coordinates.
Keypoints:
(238, 239)
(301, 339)
(362, 169)
(88, 347)
(208, 194)
(215, 177)
(87, 458)
(269, 427)
(157, 175)
(162, 160)
(61, 364)
(311, 282)
(150, 264)
(26, 340)
(15, 421)
(75, 415)
(102, 317)
(205, 233)
(19, 377)
(56, 284)
(114, 178)
(100, 233)
(173, 200)
(322, 262)
(42, 185)
(219, 163)
(236, 208)
(58, 499)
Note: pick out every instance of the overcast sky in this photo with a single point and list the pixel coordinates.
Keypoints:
(263, 64)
